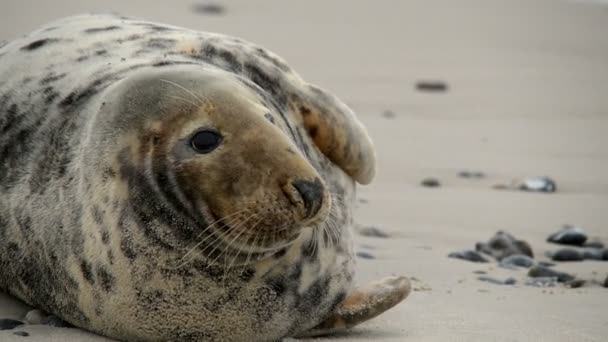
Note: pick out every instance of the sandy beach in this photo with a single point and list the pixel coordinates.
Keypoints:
(527, 86)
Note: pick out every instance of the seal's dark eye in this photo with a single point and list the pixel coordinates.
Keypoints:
(206, 141)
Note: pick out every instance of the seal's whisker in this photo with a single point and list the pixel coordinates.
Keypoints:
(210, 235)
(235, 228)
(241, 246)
(184, 89)
(255, 239)
(183, 99)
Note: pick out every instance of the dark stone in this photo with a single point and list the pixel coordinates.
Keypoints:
(430, 183)
(389, 114)
(606, 282)
(7, 323)
(539, 184)
(542, 282)
(431, 86)
(502, 245)
(468, 255)
(372, 231)
(208, 8)
(594, 244)
(519, 260)
(365, 255)
(543, 272)
(569, 235)
(471, 174)
(508, 281)
(593, 254)
(480, 272)
(576, 283)
(546, 263)
(567, 254)
(21, 333)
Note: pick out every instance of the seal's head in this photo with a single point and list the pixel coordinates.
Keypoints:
(203, 142)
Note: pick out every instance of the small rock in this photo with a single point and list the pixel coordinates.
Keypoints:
(371, 231)
(7, 323)
(520, 260)
(365, 255)
(363, 200)
(35, 316)
(567, 254)
(471, 174)
(574, 284)
(605, 254)
(546, 263)
(432, 86)
(594, 243)
(606, 282)
(569, 235)
(389, 114)
(542, 282)
(480, 272)
(593, 254)
(503, 244)
(21, 333)
(208, 8)
(430, 183)
(543, 272)
(468, 255)
(510, 281)
(491, 280)
(538, 184)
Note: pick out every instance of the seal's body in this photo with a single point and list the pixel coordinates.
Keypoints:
(159, 183)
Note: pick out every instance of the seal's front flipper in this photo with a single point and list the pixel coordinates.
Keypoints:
(362, 305)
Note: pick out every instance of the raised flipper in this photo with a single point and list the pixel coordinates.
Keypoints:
(362, 305)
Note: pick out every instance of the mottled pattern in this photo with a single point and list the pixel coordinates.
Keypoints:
(101, 196)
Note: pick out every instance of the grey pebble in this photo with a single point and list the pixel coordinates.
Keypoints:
(208, 8)
(546, 263)
(539, 184)
(430, 183)
(606, 282)
(567, 254)
(510, 281)
(471, 174)
(365, 255)
(503, 244)
(544, 272)
(431, 86)
(372, 231)
(480, 272)
(389, 114)
(468, 255)
(594, 244)
(7, 323)
(519, 260)
(593, 254)
(35, 316)
(574, 284)
(542, 282)
(21, 333)
(569, 235)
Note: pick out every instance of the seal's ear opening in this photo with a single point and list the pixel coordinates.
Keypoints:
(338, 133)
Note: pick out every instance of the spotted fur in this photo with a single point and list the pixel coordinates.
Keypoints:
(95, 214)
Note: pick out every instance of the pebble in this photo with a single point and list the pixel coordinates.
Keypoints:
(574, 284)
(389, 114)
(519, 260)
(542, 282)
(546, 263)
(371, 231)
(508, 281)
(208, 8)
(365, 255)
(566, 254)
(594, 244)
(21, 333)
(593, 254)
(468, 255)
(543, 272)
(503, 244)
(430, 183)
(432, 86)
(7, 323)
(471, 174)
(606, 282)
(34, 316)
(480, 272)
(539, 184)
(569, 235)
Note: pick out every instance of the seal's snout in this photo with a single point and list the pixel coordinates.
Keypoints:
(311, 194)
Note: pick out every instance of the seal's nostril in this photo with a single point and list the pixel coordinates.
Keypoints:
(312, 195)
